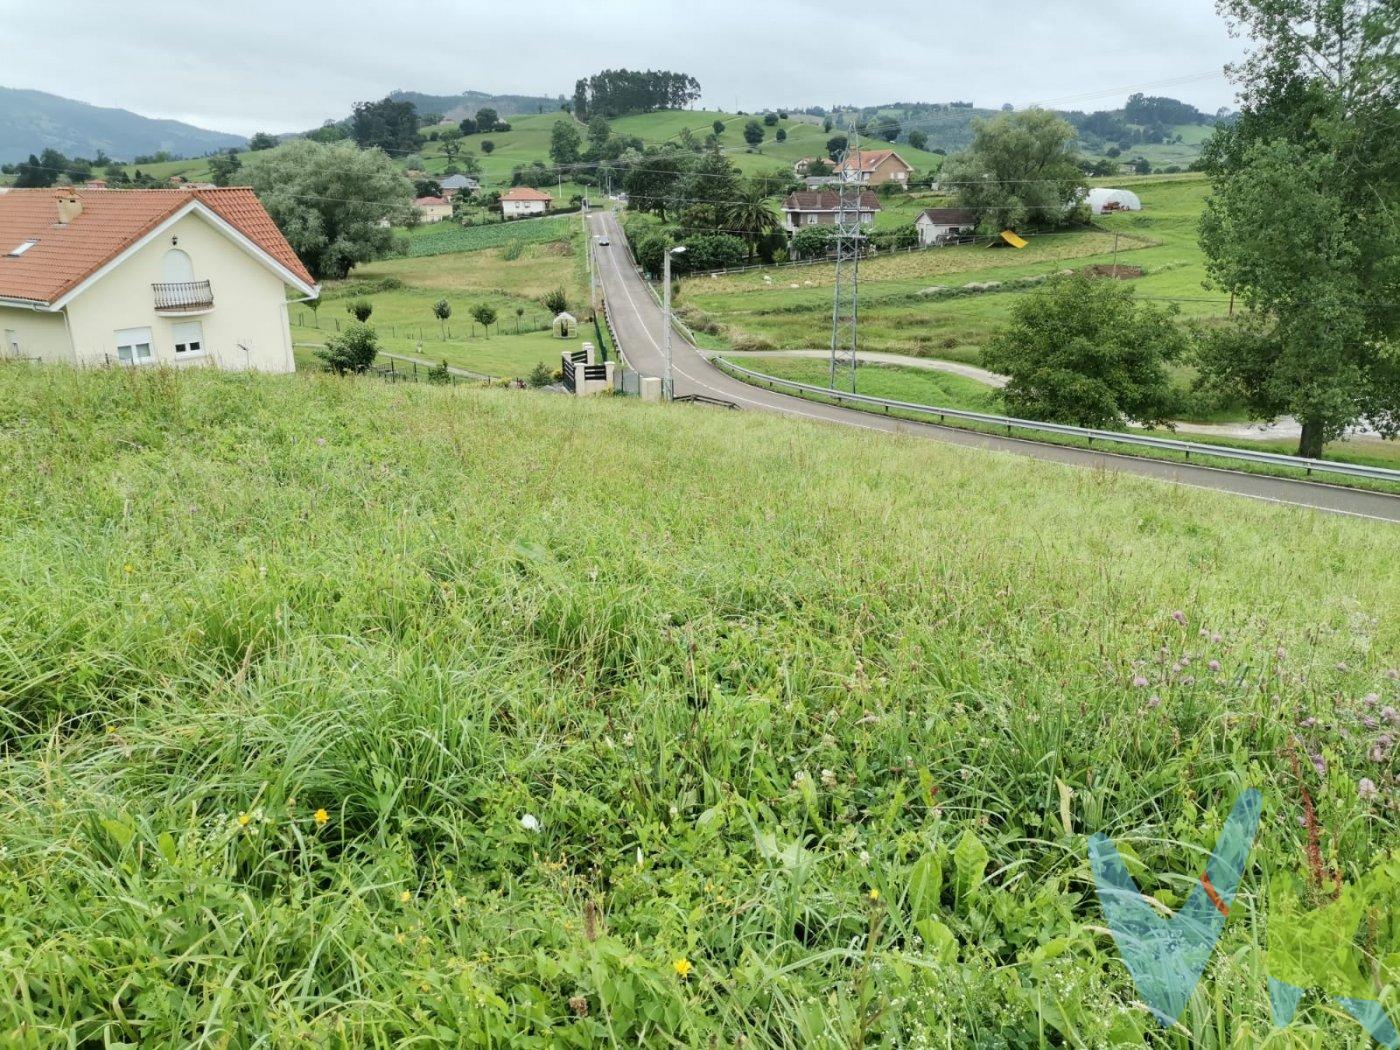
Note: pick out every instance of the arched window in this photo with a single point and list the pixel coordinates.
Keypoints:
(178, 268)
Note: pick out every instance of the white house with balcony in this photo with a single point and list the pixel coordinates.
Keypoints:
(145, 277)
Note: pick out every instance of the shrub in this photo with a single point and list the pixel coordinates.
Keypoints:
(710, 251)
(811, 242)
(1082, 351)
(540, 375)
(352, 351)
(556, 301)
(439, 375)
(360, 309)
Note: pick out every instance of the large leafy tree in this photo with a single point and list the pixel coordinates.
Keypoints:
(386, 124)
(1082, 351)
(1020, 172)
(1303, 224)
(329, 201)
(565, 143)
(654, 180)
(709, 190)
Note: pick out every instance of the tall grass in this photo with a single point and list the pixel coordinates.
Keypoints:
(827, 717)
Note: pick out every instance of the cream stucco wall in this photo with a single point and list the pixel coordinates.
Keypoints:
(516, 208)
(246, 329)
(40, 335)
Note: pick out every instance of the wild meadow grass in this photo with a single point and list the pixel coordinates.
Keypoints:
(340, 713)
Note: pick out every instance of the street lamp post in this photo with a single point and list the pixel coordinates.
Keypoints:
(670, 383)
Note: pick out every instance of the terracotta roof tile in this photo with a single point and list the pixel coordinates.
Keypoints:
(112, 221)
(827, 200)
(870, 159)
(525, 193)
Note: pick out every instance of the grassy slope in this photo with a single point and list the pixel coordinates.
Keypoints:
(917, 385)
(741, 670)
(404, 316)
(528, 140)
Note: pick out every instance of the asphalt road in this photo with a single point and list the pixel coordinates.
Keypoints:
(638, 321)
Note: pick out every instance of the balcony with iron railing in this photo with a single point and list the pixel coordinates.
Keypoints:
(183, 297)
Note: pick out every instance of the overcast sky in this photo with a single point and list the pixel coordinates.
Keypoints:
(250, 65)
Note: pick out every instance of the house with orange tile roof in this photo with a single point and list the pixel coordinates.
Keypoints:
(519, 201)
(875, 167)
(433, 209)
(147, 277)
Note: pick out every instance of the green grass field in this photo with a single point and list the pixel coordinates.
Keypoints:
(528, 140)
(466, 273)
(917, 385)
(897, 318)
(809, 727)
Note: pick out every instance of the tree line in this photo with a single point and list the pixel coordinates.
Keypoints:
(617, 92)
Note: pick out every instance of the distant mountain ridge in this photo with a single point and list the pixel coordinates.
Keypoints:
(468, 102)
(32, 121)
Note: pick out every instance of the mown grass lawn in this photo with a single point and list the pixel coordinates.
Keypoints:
(404, 291)
(342, 713)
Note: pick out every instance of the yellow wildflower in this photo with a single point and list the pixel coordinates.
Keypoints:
(874, 893)
(321, 816)
(682, 967)
(405, 897)
(244, 820)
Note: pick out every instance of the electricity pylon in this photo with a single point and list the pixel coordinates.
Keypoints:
(845, 300)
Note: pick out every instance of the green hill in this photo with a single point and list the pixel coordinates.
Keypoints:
(32, 121)
(468, 102)
(529, 137)
(341, 713)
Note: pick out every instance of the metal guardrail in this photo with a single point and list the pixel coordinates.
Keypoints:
(702, 399)
(1010, 423)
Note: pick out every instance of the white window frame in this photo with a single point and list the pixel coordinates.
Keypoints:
(812, 220)
(131, 339)
(188, 337)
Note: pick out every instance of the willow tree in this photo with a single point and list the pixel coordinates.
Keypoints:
(1303, 223)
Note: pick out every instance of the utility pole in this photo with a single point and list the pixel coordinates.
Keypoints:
(668, 386)
(845, 299)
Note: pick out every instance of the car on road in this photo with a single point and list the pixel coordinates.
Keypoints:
(603, 242)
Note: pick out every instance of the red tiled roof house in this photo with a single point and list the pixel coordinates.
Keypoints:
(138, 277)
(875, 167)
(523, 200)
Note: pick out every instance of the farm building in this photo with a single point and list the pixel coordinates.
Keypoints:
(146, 277)
(433, 209)
(523, 200)
(1103, 199)
(944, 225)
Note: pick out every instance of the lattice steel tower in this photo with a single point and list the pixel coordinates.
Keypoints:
(845, 300)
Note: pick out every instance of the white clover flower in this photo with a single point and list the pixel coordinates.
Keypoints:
(530, 822)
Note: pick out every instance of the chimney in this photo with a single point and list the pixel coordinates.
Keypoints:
(69, 206)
